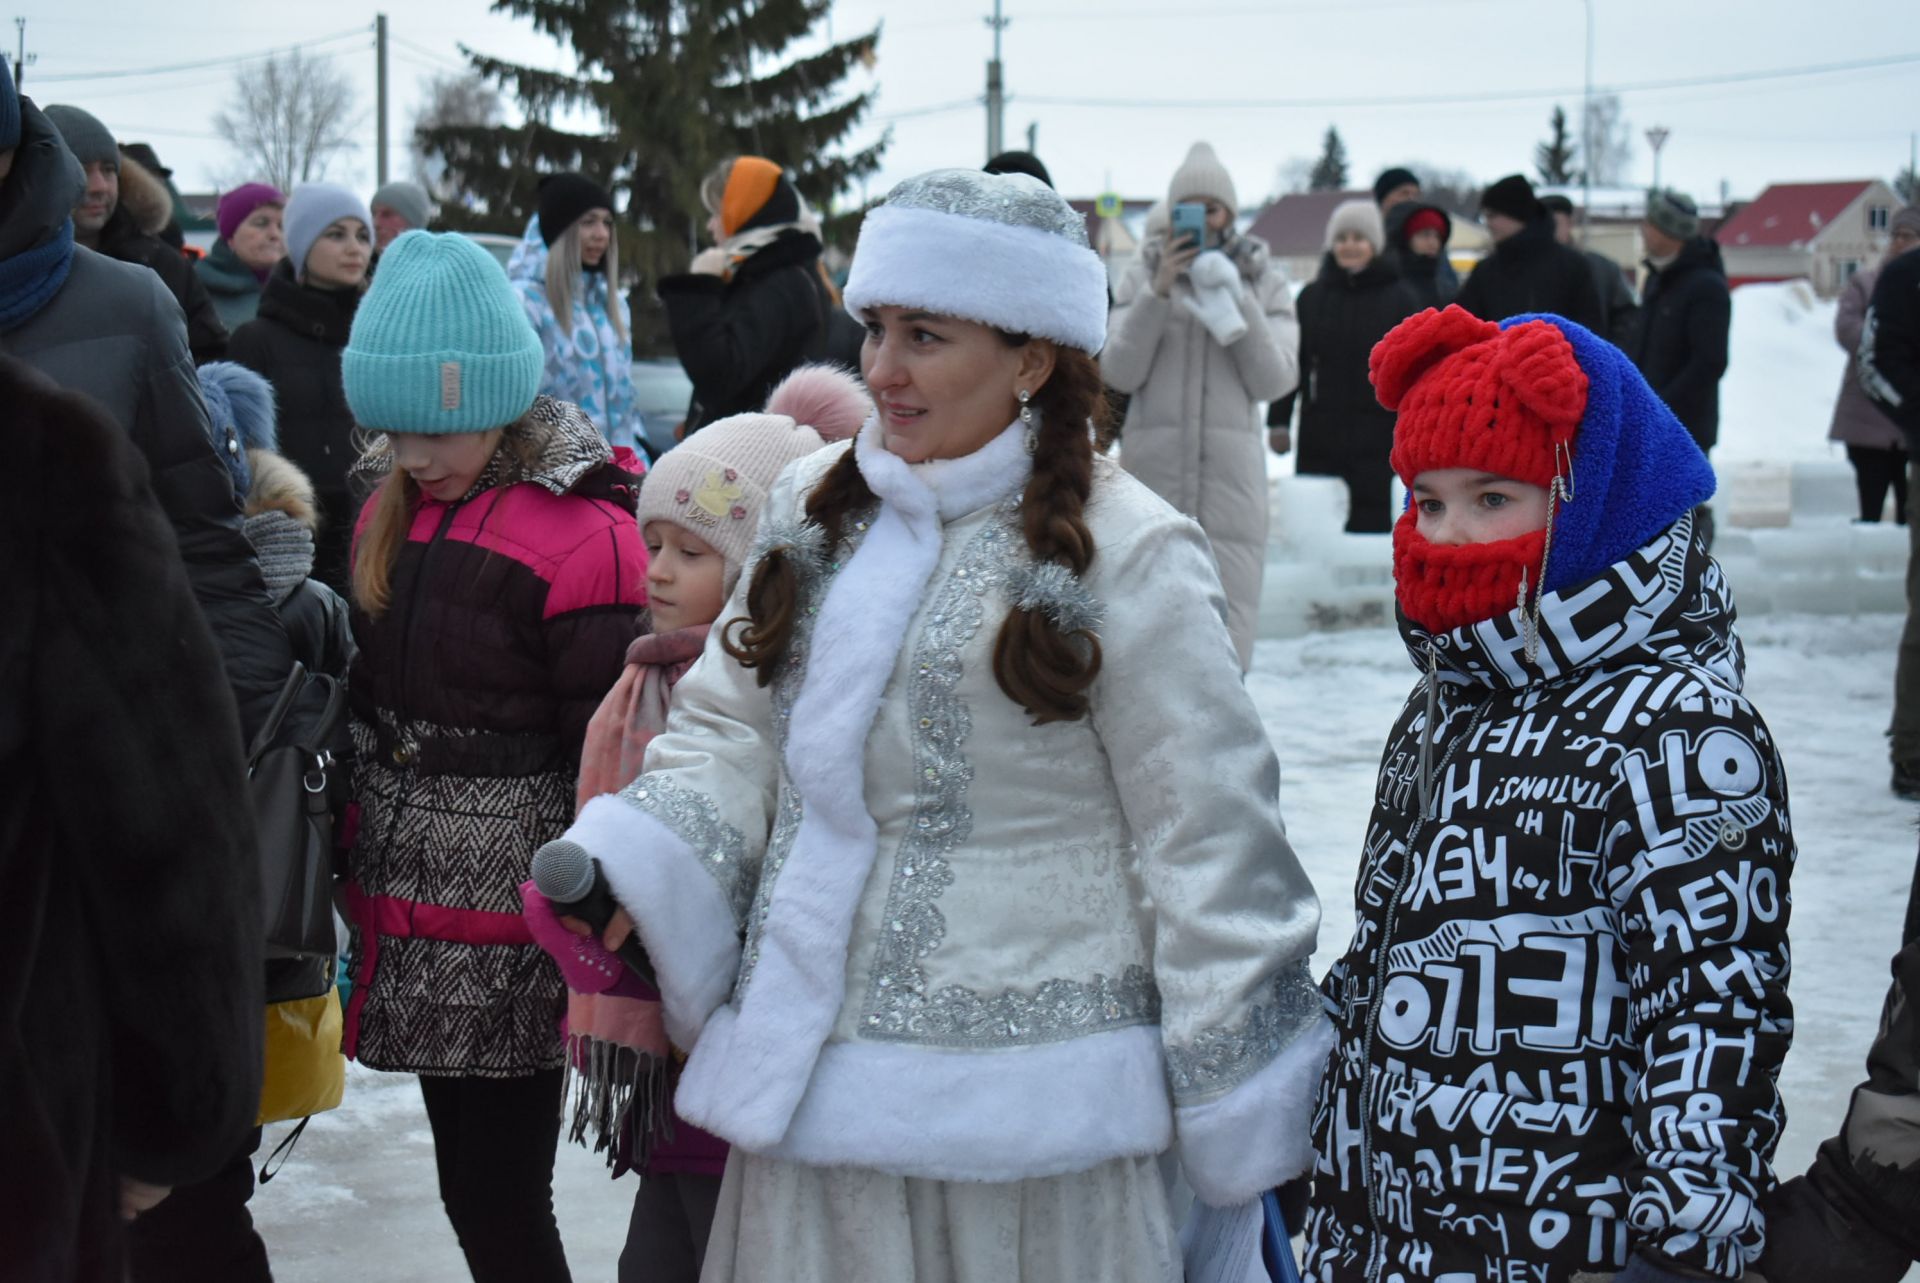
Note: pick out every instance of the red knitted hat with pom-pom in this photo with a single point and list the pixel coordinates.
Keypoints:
(1471, 395)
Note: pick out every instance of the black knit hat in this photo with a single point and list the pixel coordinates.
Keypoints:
(1019, 162)
(563, 199)
(1557, 204)
(1513, 196)
(1390, 179)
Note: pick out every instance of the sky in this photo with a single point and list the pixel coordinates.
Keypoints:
(1119, 90)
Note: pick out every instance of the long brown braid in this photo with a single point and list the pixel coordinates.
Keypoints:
(1042, 668)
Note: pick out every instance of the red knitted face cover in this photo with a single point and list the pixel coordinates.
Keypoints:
(1471, 395)
(1447, 586)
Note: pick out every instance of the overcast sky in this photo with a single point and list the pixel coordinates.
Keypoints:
(1119, 89)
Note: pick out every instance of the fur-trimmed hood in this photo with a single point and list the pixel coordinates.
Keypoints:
(144, 195)
(280, 486)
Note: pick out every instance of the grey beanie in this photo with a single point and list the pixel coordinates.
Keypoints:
(1906, 218)
(1673, 213)
(409, 200)
(313, 208)
(85, 136)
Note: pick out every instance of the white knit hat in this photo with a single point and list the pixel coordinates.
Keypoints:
(1005, 250)
(1201, 176)
(1361, 216)
(715, 482)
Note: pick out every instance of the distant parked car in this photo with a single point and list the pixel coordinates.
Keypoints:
(662, 390)
(501, 247)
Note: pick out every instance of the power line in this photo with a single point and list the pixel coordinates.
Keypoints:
(204, 63)
(1445, 99)
(444, 60)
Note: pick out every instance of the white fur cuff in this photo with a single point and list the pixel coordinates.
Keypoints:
(683, 919)
(1019, 279)
(1260, 1134)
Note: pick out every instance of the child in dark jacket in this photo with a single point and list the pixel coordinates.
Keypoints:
(1564, 1010)
(698, 514)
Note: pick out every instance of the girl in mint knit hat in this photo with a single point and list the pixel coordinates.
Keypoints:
(497, 576)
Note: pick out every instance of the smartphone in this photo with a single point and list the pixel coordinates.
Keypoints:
(1189, 224)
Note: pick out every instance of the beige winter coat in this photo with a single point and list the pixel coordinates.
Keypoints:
(1191, 433)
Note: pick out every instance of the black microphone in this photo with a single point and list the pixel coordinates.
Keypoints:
(572, 881)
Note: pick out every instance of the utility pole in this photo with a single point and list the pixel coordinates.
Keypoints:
(1586, 133)
(21, 60)
(1033, 133)
(996, 88)
(380, 110)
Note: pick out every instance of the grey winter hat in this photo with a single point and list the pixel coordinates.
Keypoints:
(1673, 213)
(1361, 216)
(313, 208)
(1202, 176)
(409, 200)
(1907, 218)
(1004, 250)
(85, 136)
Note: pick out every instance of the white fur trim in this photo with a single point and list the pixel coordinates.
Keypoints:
(1019, 279)
(799, 981)
(684, 921)
(1260, 1134)
(956, 1115)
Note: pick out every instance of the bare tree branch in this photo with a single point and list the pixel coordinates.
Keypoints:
(289, 118)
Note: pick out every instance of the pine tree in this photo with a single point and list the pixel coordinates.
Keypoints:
(1554, 158)
(1330, 171)
(674, 86)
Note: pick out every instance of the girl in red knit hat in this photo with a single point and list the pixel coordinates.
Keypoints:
(1563, 1013)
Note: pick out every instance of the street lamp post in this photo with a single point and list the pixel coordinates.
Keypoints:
(1657, 138)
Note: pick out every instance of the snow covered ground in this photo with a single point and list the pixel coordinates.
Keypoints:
(358, 1200)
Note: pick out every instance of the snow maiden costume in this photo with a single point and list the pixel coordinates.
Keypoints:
(1563, 1014)
(990, 968)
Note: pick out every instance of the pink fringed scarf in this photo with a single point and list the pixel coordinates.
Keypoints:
(618, 1057)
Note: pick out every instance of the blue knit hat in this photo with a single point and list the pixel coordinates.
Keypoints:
(440, 343)
(1636, 470)
(9, 109)
(240, 411)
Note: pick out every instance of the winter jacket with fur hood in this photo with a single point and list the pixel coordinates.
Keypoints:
(588, 363)
(510, 615)
(976, 949)
(132, 235)
(113, 332)
(1192, 436)
(130, 956)
(295, 341)
(1563, 1012)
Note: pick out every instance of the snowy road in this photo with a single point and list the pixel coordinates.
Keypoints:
(358, 1200)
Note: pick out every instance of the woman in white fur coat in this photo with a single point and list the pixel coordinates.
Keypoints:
(1200, 335)
(960, 859)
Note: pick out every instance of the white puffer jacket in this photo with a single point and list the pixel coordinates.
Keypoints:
(1191, 433)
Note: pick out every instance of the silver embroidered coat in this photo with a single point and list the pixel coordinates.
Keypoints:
(901, 927)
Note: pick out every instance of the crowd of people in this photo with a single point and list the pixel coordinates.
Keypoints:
(900, 707)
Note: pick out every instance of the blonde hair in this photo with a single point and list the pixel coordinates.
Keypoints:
(563, 278)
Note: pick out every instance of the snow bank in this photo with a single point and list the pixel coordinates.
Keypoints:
(1783, 371)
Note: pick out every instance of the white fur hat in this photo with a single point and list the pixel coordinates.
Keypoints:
(1005, 250)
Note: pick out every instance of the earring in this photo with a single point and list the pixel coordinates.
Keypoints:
(1026, 411)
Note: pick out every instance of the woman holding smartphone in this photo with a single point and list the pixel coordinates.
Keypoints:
(1203, 330)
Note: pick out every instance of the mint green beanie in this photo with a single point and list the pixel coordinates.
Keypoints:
(440, 343)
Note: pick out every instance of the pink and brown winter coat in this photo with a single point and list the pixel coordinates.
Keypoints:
(510, 616)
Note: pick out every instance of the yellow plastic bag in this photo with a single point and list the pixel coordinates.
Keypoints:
(306, 1074)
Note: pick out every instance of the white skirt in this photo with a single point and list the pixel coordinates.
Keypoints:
(781, 1222)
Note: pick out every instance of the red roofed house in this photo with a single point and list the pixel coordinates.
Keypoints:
(1824, 232)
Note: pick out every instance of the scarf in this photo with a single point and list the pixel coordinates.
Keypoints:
(30, 279)
(618, 1056)
(635, 710)
(743, 245)
(1442, 587)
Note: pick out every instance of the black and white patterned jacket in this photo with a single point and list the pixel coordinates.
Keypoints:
(1563, 1013)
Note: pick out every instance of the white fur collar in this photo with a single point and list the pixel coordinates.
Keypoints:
(956, 486)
